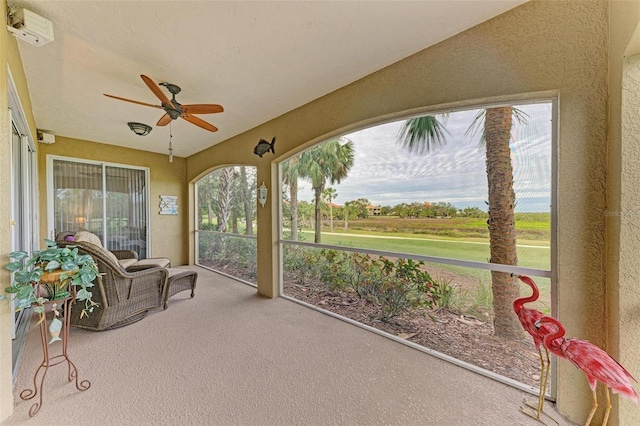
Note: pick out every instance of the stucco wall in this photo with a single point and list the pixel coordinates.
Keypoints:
(168, 233)
(559, 48)
(623, 202)
(627, 303)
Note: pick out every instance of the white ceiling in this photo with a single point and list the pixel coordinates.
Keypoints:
(259, 59)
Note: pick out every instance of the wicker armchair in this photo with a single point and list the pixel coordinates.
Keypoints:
(124, 297)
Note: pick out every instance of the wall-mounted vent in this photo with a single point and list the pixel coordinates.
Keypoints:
(44, 137)
(32, 28)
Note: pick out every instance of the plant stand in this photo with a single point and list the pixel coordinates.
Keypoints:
(63, 305)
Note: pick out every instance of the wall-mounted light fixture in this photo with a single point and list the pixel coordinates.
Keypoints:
(262, 194)
(139, 129)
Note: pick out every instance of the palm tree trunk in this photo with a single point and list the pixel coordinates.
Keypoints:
(234, 221)
(224, 198)
(502, 232)
(209, 212)
(330, 216)
(318, 218)
(246, 200)
(293, 190)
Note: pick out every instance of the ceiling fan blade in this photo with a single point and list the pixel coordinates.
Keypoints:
(199, 122)
(164, 120)
(202, 108)
(157, 91)
(132, 101)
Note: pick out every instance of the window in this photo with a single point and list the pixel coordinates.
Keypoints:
(391, 226)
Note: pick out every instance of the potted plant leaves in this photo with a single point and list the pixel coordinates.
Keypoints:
(51, 274)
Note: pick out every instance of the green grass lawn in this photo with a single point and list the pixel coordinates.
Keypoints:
(531, 254)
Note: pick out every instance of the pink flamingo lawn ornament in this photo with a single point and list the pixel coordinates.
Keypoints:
(528, 318)
(593, 361)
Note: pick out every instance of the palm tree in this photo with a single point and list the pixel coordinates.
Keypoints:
(330, 161)
(290, 175)
(421, 134)
(329, 194)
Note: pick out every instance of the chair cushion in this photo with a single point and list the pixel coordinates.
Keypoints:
(125, 263)
(88, 237)
(161, 262)
(152, 262)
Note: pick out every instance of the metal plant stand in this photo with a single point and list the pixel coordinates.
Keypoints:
(53, 306)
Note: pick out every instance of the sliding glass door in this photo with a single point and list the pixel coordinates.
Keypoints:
(23, 198)
(109, 200)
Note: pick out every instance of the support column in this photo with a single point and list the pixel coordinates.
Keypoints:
(267, 233)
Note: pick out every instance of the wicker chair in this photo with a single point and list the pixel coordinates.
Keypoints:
(123, 297)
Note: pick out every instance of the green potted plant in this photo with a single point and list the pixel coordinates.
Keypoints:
(51, 274)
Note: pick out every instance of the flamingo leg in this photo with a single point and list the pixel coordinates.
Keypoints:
(606, 413)
(544, 379)
(540, 394)
(545, 369)
(593, 409)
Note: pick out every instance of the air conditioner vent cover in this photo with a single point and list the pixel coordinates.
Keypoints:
(30, 27)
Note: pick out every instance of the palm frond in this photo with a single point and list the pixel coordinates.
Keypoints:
(422, 134)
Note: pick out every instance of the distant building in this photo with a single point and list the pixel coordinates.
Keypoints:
(373, 210)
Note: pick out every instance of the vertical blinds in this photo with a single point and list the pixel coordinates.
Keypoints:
(109, 201)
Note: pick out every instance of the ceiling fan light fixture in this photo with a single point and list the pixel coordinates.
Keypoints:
(139, 129)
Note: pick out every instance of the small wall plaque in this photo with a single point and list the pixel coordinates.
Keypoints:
(169, 204)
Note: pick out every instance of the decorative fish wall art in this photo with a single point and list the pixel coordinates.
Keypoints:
(264, 147)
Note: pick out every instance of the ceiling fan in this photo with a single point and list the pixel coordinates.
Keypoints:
(173, 109)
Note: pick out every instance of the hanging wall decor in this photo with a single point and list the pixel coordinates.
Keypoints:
(169, 204)
(264, 147)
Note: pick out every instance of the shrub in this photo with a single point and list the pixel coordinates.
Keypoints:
(395, 286)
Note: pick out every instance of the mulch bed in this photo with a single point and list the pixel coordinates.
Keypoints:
(464, 338)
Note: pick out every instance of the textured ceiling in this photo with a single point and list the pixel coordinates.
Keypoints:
(257, 59)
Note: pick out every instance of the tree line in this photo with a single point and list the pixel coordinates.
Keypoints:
(360, 209)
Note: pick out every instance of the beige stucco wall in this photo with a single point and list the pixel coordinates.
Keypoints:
(559, 48)
(625, 297)
(623, 198)
(168, 233)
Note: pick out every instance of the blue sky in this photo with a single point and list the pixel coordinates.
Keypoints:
(387, 174)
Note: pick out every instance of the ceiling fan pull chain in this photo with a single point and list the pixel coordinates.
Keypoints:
(170, 147)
